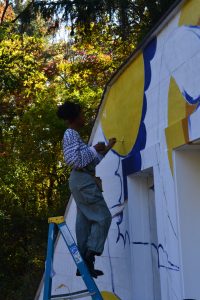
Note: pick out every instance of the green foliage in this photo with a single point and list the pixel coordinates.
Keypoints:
(131, 17)
(36, 76)
(33, 183)
(18, 67)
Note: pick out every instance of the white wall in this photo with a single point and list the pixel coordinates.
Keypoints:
(143, 236)
(187, 166)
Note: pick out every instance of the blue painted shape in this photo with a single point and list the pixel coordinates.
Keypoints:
(169, 266)
(124, 236)
(149, 53)
(48, 266)
(190, 99)
(196, 31)
(121, 183)
(130, 165)
(133, 163)
(73, 249)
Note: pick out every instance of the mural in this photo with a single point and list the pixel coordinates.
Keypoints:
(152, 108)
(184, 93)
(127, 97)
(125, 103)
(180, 57)
(130, 102)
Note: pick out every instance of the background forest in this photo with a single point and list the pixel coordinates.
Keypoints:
(51, 51)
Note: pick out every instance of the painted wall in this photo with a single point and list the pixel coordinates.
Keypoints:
(152, 108)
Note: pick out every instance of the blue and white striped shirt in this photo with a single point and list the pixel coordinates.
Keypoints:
(76, 153)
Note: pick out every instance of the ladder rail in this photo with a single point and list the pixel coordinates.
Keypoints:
(48, 263)
(92, 289)
(73, 249)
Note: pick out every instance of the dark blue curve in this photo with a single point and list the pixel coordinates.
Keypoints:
(120, 179)
(133, 163)
(120, 217)
(124, 237)
(190, 99)
(170, 266)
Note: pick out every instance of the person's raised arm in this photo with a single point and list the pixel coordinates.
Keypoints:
(76, 153)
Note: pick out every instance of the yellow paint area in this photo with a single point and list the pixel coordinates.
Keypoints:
(178, 108)
(190, 14)
(109, 296)
(122, 111)
(176, 112)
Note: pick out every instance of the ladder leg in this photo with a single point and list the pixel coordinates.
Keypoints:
(73, 249)
(48, 265)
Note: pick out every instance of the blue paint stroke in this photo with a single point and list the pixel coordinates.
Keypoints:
(189, 98)
(120, 217)
(130, 165)
(171, 266)
(133, 162)
(190, 27)
(124, 237)
(120, 179)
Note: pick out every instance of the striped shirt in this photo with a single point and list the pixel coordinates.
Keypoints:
(76, 153)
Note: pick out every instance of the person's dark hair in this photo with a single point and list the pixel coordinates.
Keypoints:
(69, 111)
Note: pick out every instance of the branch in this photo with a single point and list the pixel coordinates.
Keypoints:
(22, 12)
(32, 3)
(4, 11)
(52, 3)
(64, 80)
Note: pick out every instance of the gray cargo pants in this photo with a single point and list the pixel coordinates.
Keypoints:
(93, 216)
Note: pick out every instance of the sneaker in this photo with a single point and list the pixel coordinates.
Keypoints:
(90, 260)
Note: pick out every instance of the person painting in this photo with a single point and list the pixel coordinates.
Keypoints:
(93, 216)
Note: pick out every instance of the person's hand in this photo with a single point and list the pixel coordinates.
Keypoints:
(111, 142)
(100, 147)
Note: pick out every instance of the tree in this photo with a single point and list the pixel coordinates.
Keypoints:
(132, 17)
(33, 175)
(6, 11)
(35, 77)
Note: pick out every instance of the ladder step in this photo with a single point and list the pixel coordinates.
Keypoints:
(92, 290)
(70, 296)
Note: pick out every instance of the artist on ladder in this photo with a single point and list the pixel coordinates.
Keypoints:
(93, 216)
